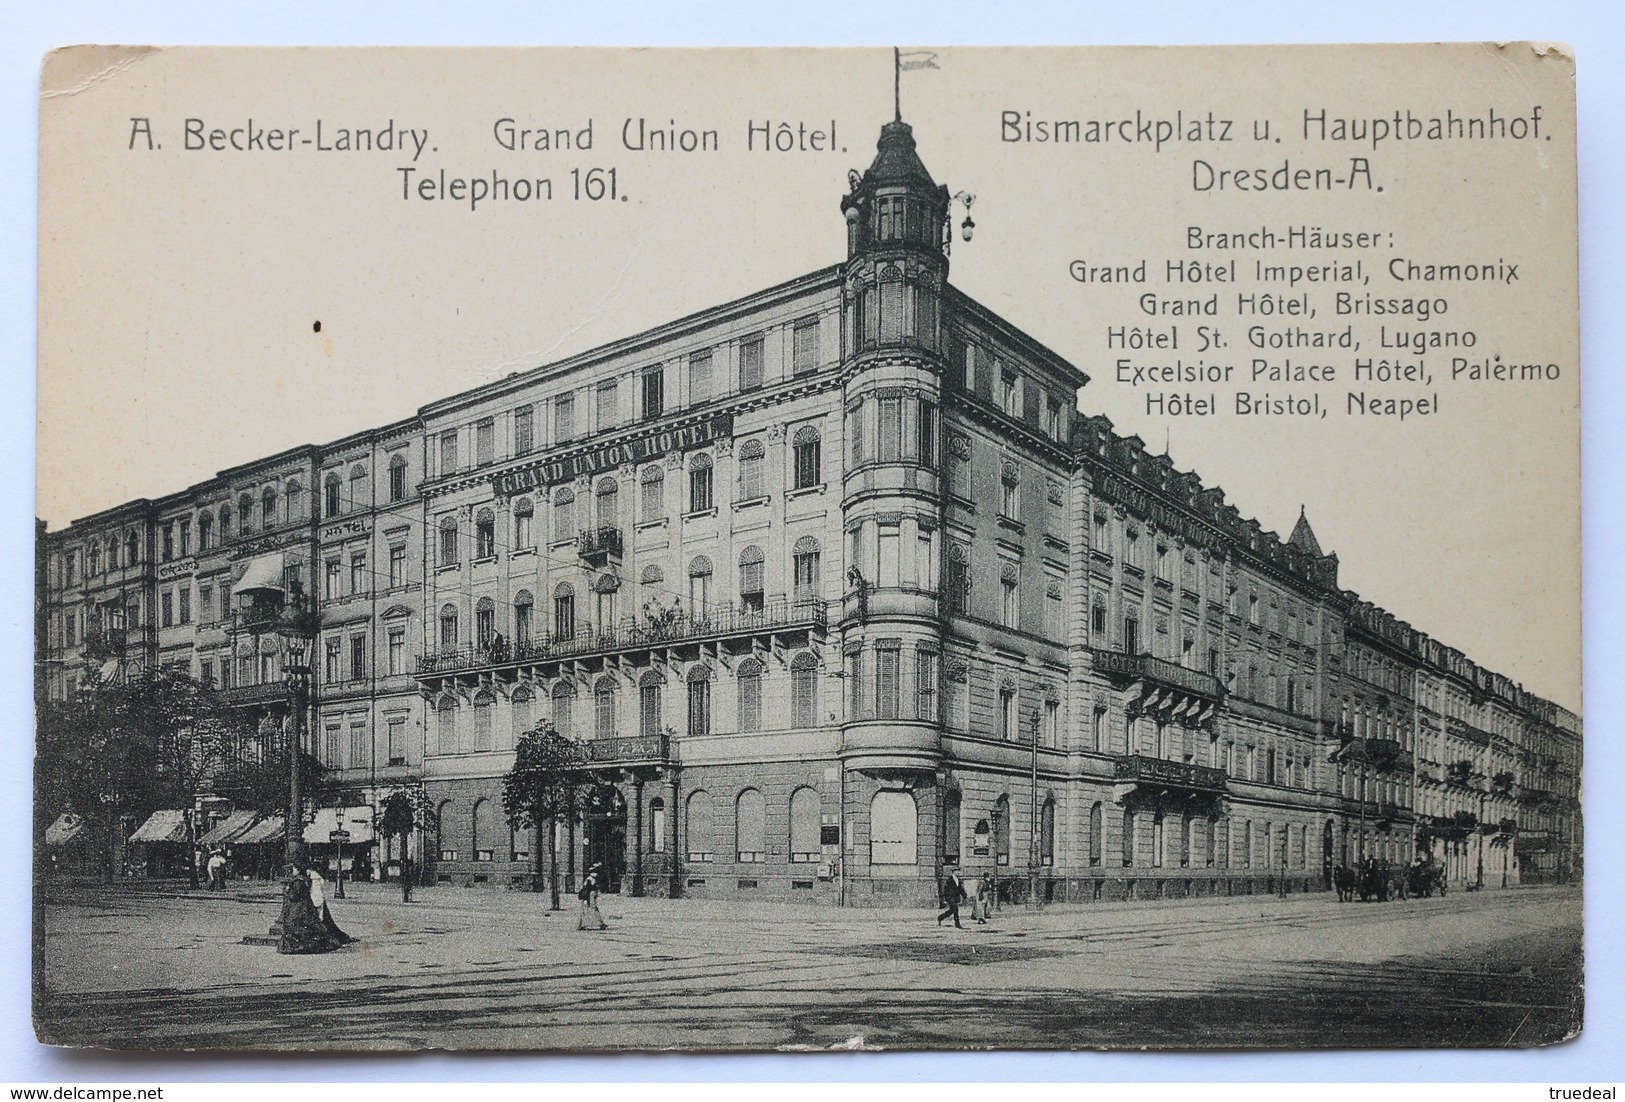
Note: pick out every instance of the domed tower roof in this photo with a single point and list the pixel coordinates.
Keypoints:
(895, 204)
(896, 160)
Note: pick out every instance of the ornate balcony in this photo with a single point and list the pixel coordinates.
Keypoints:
(1384, 755)
(600, 546)
(632, 750)
(672, 629)
(270, 692)
(1166, 690)
(1136, 773)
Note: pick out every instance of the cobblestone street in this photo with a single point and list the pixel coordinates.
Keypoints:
(143, 968)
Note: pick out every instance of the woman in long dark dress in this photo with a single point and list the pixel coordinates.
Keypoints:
(318, 903)
(302, 929)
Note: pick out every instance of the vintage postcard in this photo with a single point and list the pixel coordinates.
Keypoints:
(798, 549)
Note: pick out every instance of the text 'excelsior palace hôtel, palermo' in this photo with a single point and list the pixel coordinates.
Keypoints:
(838, 590)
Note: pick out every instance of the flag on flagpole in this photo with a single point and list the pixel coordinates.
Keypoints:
(908, 60)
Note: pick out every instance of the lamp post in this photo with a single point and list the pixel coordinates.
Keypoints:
(295, 672)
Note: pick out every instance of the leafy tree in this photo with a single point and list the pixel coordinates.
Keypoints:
(541, 791)
(128, 748)
(406, 809)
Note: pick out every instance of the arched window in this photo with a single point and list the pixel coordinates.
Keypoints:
(442, 818)
(609, 496)
(697, 826)
(649, 712)
(524, 608)
(332, 495)
(482, 827)
(448, 627)
(805, 568)
(484, 702)
(564, 611)
(891, 301)
(268, 509)
(205, 539)
(699, 699)
(752, 457)
(893, 828)
(397, 477)
(294, 494)
(1010, 492)
(523, 512)
(749, 680)
(699, 484)
(1046, 832)
(805, 824)
(750, 826)
(603, 700)
(93, 559)
(564, 515)
(1128, 838)
(653, 482)
(225, 532)
(485, 534)
(112, 546)
(1158, 840)
(1001, 830)
(446, 725)
(448, 540)
(807, 459)
(1097, 846)
(804, 690)
(564, 701)
(657, 825)
(245, 512)
(699, 586)
(652, 576)
(485, 621)
(523, 702)
(752, 593)
(358, 485)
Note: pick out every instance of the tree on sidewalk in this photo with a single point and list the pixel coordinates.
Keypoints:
(539, 791)
(407, 810)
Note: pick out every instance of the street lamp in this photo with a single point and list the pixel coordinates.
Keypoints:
(296, 674)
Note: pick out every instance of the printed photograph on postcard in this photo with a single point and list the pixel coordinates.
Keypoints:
(701, 549)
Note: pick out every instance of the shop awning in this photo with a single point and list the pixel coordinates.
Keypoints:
(262, 572)
(356, 821)
(66, 828)
(268, 831)
(163, 826)
(227, 829)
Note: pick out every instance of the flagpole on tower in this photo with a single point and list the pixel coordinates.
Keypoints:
(897, 80)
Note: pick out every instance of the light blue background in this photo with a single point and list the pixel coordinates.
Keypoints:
(28, 30)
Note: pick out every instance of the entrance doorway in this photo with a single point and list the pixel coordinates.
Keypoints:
(1327, 855)
(604, 836)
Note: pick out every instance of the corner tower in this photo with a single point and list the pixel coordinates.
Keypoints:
(894, 334)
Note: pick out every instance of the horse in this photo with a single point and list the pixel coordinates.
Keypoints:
(1346, 882)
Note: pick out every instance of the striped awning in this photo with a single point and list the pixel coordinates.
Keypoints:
(228, 829)
(167, 825)
(66, 828)
(263, 572)
(267, 831)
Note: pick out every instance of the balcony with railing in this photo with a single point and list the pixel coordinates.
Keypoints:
(269, 692)
(632, 750)
(674, 628)
(600, 546)
(1139, 770)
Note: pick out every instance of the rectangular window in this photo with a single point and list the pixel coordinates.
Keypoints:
(186, 537)
(1052, 723)
(654, 393)
(331, 580)
(564, 418)
(608, 402)
(1010, 394)
(397, 479)
(166, 609)
(448, 452)
(524, 431)
(205, 604)
(804, 347)
(891, 429)
(397, 742)
(485, 442)
(855, 426)
(927, 442)
(331, 747)
(888, 675)
(1012, 604)
(397, 650)
(890, 564)
(358, 746)
(925, 685)
(397, 565)
(699, 377)
(186, 604)
(358, 572)
(330, 672)
(1052, 418)
(750, 363)
(358, 658)
(205, 672)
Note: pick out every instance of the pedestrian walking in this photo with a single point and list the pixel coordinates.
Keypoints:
(982, 908)
(953, 892)
(590, 918)
(217, 871)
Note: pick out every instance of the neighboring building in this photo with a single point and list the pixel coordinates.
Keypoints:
(838, 588)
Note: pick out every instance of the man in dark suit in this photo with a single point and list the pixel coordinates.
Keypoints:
(953, 892)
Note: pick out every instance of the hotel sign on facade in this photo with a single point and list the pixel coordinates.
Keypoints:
(639, 449)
